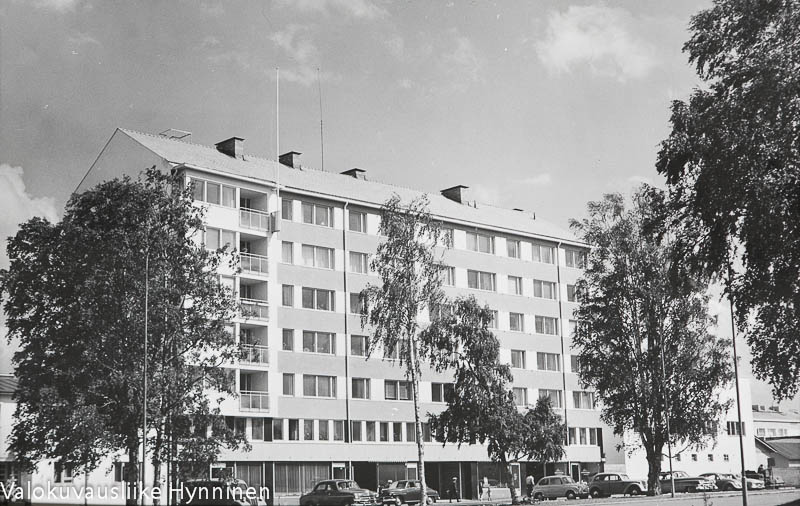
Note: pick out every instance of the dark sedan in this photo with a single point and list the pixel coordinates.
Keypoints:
(685, 483)
(407, 492)
(338, 493)
(606, 484)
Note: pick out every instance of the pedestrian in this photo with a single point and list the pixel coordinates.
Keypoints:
(529, 485)
(453, 491)
(486, 488)
(762, 472)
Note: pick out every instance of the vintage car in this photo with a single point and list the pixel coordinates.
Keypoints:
(229, 492)
(551, 487)
(606, 484)
(730, 482)
(685, 483)
(770, 481)
(406, 492)
(338, 493)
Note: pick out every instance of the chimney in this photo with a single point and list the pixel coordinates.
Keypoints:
(355, 172)
(290, 159)
(456, 193)
(232, 147)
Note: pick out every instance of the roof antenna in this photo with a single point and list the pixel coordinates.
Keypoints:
(278, 136)
(321, 139)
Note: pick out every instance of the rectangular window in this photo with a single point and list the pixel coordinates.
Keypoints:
(323, 430)
(574, 362)
(426, 432)
(214, 193)
(481, 280)
(518, 359)
(583, 400)
(555, 397)
(355, 430)
(726, 457)
(513, 248)
(316, 298)
(257, 429)
(397, 390)
(543, 253)
(516, 322)
(355, 303)
(575, 258)
(448, 275)
(573, 435)
(319, 342)
(711, 457)
(277, 429)
(358, 262)
(548, 361)
(216, 238)
(544, 289)
(294, 429)
(411, 432)
(357, 221)
(361, 388)
(370, 431)
(286, 209)
(480, 242)
(493, 321)
(515, 285)
(441, 392)
(546, 325)
(308, 430)
(596, 436)
(338, 430)
(694, 457)
(583, 435)
(733, 428)
(316, 214)
(287, 252)
(288, 384)
(358, 346)
(288, 340)
(384, 427)
(572, 295)
(287, 295)
(397, 431)
(520, 396)
(317, 256)
(319, 386)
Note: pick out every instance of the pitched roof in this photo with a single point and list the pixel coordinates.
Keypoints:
(345, 187)
(788, 447)
(8, 384)
(775, 416)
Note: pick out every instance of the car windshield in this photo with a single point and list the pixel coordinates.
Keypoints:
(345, 485)
(568, 479)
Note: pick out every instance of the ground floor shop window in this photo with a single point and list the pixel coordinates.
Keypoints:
(299, 478)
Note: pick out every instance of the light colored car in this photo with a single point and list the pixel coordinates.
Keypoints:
(730, 482)
(551, 487)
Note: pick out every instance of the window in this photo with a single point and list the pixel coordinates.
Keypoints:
(448, 275)
(358, 346)
(694, 457)
(287, 252)
(357, 221)
(214, 193)
(726, 457)
(355, 303)
(411, 432)
(287, 295)
(288, 384)
(678, 457)
(544, 289)
(543, 253)
(515, 285)
(316, 298)
(288, 340)
(520, 396)
(574, 364)
(319, 386)
(480, 280)
(575, 258)
(554, 395)
(257, 429)
(583, 400)
(361, 388)
(447, 237)
(286, 209)
(277, 429)
(572, 295)
(710, 457)
(493, 321)
(582, 434)
(594, 436)
(317, 256)
(316, 214)
(384, 428)
(546, 325)
(397, 390)
(441, 392)
(338, 430)
(64, 473)
(480, 242)
(355, 430)
(516, 322)
(518, 359)
(358, 262)
(426, 432)
(548, 361)
(370, 431)
(397, 431)
(319, 342)
(308, 430)
(323, 427)
(573, 435)
(391, 355)
(733, 428)
(294, 429)
(512, 248)
(573, 328)
(217, 238)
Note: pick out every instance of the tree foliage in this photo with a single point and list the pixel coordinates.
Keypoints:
(732, 164)
(481, 408)
(637, 306)
(74, 298)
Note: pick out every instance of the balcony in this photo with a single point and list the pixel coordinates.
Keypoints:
(254, 309)
(252, 400)
(255, 354)
(254, 219)
(256, 264)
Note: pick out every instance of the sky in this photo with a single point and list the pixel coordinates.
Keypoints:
(540, 105)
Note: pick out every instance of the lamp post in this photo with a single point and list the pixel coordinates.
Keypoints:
(666, 413)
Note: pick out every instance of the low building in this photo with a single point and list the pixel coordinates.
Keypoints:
(780, 456)
(772, 422)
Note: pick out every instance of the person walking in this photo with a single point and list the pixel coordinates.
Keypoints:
(529, 485)
(453, 491)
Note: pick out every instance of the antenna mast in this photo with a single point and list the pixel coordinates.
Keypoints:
(321, 139)
(278, 136)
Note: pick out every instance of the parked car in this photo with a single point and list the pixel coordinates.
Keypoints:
(729, 482)
(769, 481)
(551, 487)
(685, 483)
(406, 492)
(219, 493)
(338, 493)
(606, 484)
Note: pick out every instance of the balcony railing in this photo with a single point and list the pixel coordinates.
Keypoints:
(254, 263)
(251, 400)
(254, 309)
(251, 218)
(255, 354)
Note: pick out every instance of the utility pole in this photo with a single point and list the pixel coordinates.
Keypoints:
(666, 412)
(740, 428)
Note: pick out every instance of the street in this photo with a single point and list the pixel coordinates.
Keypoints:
(763, 498)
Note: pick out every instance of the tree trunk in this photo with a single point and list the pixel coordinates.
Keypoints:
(156, 481)
(132, 476)
(418, 425)
(507, 477)
(653, 471)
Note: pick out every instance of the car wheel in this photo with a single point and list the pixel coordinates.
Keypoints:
(570, 494)
(596, 493)
(634, 491)
(429, 500)
(398, 501)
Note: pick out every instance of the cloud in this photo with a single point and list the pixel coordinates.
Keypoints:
(361, 9)
(56, 5)
(538, 179)
(464, 60)
(295, 42)
(598, 37)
